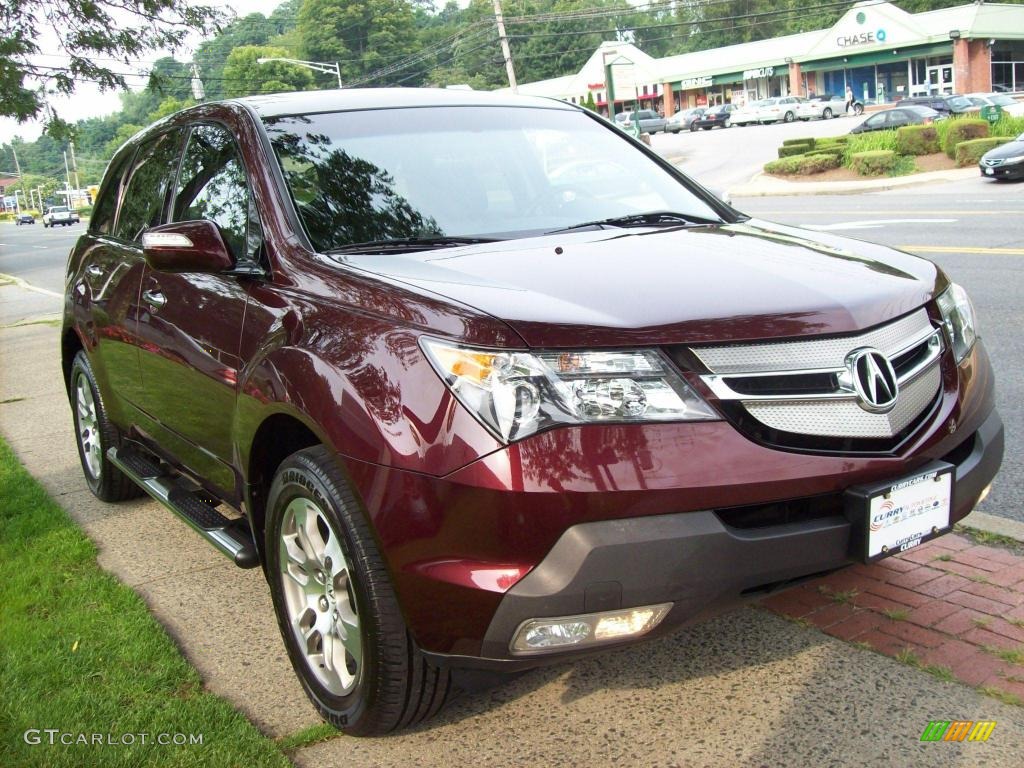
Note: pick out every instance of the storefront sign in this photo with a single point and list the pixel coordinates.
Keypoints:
(596, 86)
(694, 82)
(753, 74)
(861, 38)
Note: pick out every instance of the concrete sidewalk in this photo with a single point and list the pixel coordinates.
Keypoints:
(748, 688)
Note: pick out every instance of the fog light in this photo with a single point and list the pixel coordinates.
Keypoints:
(541, 635)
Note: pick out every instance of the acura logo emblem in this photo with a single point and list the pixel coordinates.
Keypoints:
(874, 380)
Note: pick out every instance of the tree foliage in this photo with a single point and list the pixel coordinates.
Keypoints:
(244, 76)
(92, 33)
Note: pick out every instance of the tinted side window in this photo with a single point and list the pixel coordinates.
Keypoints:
(146, 194)
(213, 186)
(102, 220)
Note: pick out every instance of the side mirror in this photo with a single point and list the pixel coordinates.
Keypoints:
(186, 246)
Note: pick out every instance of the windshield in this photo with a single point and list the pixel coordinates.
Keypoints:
(959, 102)
(456, 172)
(1001, 99)
(59, 209)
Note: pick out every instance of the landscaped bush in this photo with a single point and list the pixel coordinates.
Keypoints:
(970, 152)
(868, 142)
(874, 162)
(1007, 126)
(829, 149)
(789, 150)
(809, 141)
(917, 140)
(958, 130)
(802, 165)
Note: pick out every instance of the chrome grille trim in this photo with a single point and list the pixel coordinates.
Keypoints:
(814, 354)
(846, 418)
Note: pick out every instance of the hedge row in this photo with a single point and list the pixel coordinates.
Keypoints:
(970, 152)
(803, 165)
(873, 162)
(962, 129)
(917, 140)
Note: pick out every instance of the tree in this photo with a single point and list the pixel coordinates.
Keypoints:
(590, 103)
(362, 35)
(244, 77)
(91, 32)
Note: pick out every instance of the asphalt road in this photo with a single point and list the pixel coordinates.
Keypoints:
(973, 229)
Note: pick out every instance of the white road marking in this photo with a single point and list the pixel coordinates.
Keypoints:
(872, 224)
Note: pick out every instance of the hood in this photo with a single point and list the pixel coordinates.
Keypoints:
(1009, 149)
(737, 282)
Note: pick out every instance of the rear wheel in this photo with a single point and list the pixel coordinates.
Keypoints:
(94, 435)
(826, 114)
(336, 609)
(858, 109)
(790, 117)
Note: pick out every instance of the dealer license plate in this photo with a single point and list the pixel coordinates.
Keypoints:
(902, 515)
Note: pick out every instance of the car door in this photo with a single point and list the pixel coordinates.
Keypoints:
(192, 322)
(111, 277)
(897, 118)
(873, 123)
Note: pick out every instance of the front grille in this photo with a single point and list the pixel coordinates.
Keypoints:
(782, 512)
(992, 162)
(802, 394)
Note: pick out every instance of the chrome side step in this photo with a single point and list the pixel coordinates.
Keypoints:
(232, 537)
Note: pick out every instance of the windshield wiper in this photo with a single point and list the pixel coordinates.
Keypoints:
(410, 244)
(650, 219)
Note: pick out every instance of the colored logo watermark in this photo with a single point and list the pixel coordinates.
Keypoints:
(958, 730)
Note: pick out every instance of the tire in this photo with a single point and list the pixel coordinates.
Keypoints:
(707, 127)
(858, 109)
(693, 127)
(790, 117)
(94, 435)
(826, 113)
(383, 682)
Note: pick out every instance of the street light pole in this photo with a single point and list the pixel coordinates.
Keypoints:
(316, 66)
(506, 52)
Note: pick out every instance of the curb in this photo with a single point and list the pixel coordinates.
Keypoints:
(760, 185)
(1002, 526)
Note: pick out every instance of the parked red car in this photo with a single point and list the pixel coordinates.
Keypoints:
(471, 412)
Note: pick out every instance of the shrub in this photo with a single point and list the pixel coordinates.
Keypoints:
(970, 152)
(794, 149)
(833, 150)
(874, 162)
(917, 140)
(962, 129)
(802, 165)
(1007, 126)
(808, 141)
(868, 142)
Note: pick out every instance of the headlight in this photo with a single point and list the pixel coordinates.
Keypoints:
(958, 315)
(1013, 160)
(518, 393)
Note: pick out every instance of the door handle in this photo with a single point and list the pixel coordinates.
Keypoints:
(93, 271)
(155, 299)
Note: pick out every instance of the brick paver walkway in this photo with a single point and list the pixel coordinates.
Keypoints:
(951, 603)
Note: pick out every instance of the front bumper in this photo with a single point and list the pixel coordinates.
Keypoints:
(1015, 171)
(592, 518)
(695, 561)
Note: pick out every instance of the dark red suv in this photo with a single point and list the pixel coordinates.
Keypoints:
(482, 383)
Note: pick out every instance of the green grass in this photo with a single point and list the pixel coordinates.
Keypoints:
(81, 653)
(907, 656)
(839, 597)
(993, 539)
(944, 558)
(982, 622)
(897, 614)
(1012, 655)
(868, 142)
(905, 166)
(1003, 696)
(943, 673)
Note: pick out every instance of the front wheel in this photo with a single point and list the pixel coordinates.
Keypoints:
(858, 109)
(336, 609)
(826, 113)
(790, 117)
(693, 127)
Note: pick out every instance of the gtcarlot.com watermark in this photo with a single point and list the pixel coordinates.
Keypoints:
(57, 737)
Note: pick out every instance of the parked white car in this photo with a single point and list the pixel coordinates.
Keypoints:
(780, 109)
(825, 106)
(747, 114)
(1008, 104)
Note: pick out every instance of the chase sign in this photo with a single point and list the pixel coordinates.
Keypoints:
(861, 38)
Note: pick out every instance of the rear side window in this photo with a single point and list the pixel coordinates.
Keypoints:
(102, 220)
(212, 185)
(145, 197)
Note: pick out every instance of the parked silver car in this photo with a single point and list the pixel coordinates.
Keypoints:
(826, 106)
(650, 121)
(681, 121)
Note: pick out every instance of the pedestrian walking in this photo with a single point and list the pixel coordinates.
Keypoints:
(849, 99)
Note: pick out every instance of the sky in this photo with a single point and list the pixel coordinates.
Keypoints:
(88, 101)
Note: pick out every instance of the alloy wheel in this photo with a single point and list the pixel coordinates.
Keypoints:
(88, 427)
(319, 596)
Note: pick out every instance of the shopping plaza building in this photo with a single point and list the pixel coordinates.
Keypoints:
(880, 51)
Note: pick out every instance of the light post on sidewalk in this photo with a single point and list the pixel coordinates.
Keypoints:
(316, 66)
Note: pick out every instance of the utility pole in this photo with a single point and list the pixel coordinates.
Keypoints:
(67, 184)
(510, 70)
(17, 169)
(198, 91)
(74, 166)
